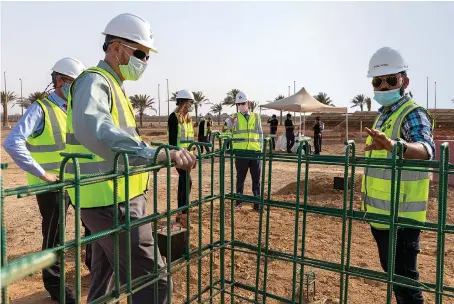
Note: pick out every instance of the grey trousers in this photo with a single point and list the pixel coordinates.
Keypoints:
(142, 252)
(242, 167)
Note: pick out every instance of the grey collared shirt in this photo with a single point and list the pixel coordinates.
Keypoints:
(93, 124)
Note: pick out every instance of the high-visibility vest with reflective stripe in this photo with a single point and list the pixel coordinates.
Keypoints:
(47, 146)
(376, 183)
(185, 133)
(102, 193)
(205, 130)
(247, 130)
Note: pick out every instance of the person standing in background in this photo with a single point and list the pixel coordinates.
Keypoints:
(317, 127)
(273, 128)
(204, 129)
(289, 132)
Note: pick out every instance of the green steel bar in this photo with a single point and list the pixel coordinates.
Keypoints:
(297, 219)
(351, 143)
(232, 213)
(259, 241)
(26, 266)
(4, 247)
(267, 224)
(222, 221)
(344, 217)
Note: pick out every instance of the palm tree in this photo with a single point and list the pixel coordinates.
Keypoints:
(253, 105)
(217, 108)
(324, 98)
(199, 99)
(6, 98)
(359, 101)
(141, 103)
(368, 103)
(229, 100)
(174, 96)
(32, 98)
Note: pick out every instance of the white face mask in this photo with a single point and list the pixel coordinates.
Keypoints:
(243, 108)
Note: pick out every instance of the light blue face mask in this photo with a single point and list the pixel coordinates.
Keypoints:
(387, 98)
(65, 90)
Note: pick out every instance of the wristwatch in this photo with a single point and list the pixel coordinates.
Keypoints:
(404, 144)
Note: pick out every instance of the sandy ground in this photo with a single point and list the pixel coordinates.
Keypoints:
(323, 237)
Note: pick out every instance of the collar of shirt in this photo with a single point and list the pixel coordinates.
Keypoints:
(103, 65)
(245, 114)
(395, 106)
(60, 102)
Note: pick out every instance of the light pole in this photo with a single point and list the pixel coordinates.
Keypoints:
(168, 98)
(21, 100)
(159, 105)
(5, 112)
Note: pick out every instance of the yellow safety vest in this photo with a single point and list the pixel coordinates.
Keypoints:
(376, 182)
(47, 146)
(185, 133)
(102, 193)
(247, 130)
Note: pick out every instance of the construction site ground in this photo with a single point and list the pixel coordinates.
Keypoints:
(323, 239)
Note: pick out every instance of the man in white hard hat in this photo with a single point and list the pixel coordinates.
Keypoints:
(180, 128)
(247, 126)
(100, 120)
(400, 120)
(35, 144)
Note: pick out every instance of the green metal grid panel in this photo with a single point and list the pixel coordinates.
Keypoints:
(221, 286)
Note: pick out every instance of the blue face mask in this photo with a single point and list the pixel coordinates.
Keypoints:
(65, 90)
(387, 98)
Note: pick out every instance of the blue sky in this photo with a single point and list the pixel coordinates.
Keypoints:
(258, 47)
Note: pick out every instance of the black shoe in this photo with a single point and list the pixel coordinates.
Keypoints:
(69, 297)
(256, 208)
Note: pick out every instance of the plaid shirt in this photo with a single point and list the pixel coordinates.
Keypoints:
(416, 126)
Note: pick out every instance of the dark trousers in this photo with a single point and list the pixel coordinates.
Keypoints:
(317, 143)
(50, 212)
(406, 264)
(290, 141)
(142, 252)
(182, 200)
(204, 139)
(273, 138)
(242, 166)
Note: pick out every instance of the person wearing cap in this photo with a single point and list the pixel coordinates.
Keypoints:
(273, 128)
(180, 132)
(100, 120)
(400, 119)
(204, 130)
(35, 144)
(289, 132)
(248, 127)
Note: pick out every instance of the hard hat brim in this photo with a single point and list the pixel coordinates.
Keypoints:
(145, 43)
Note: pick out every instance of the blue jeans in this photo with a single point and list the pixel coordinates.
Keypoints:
(406, 264)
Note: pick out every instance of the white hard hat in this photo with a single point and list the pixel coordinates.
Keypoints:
(68, 66)
(185, 94)
(386, 61)
(131, 27)
(241, 97)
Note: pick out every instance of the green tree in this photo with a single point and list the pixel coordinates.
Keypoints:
(7, 98)
(142, 103)
(199, 99)
(229, 100)
(26, 102)
(369, 103)
(217, 108)
(359, 101)
(174, 96)
(253, 105)
(324, 98)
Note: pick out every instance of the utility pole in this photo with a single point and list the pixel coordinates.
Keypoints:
(435, 94)
(288, 91)
(21, 100)
(159, 106)
(168, 98)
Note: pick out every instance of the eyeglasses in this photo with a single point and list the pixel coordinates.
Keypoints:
(241, 103)
(390, 80)
(139, 54)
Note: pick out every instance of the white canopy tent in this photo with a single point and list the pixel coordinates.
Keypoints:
(303, 102)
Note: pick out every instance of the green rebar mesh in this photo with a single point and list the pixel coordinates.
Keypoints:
(220, 285)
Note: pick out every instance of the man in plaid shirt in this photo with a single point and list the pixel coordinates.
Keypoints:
(400, 120)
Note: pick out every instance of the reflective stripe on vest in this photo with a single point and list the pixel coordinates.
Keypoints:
(45, 148)
(376, 182)
(102, 193)
(247, 130)
(185, 133)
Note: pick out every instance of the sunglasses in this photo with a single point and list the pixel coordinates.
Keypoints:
(390, 80)
(240, 104)
(139, 54)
